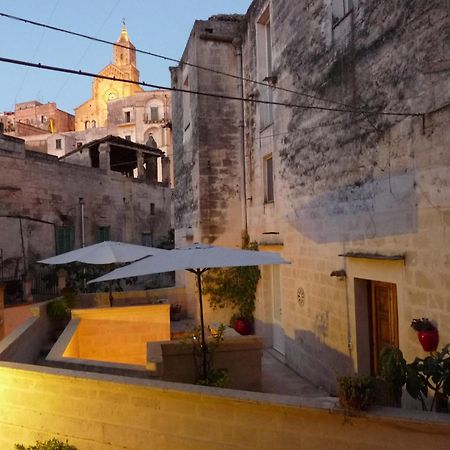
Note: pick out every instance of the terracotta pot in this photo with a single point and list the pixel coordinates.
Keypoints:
(243, 326)
(429, 340)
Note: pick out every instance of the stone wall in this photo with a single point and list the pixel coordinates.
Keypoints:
(352, 182)
(40, 193)
(100, 412)
(207, 138)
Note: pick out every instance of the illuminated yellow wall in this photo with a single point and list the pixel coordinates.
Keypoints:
(118, 334)
(99, 412)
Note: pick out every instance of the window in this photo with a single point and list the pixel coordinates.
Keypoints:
(93, 124)
(147, 239)
(154, 114)
(268, 179)
(264, 66)
(340, 9)
(128, 137)
(127, 116)
(152, 209)
(64, 239)
(86, 124)
(58, 144)
(79, 144)
(103, 234)
(186, 105)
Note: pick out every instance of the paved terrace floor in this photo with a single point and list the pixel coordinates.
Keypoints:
(278, 378)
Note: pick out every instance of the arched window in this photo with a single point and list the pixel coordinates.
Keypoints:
(94, 124)
(86, 125)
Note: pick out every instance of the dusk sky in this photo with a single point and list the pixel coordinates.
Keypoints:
(159, 27)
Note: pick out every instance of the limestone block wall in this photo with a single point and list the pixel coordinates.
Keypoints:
(118, 334)
(99, 412)
(350, 183)
(41, 193)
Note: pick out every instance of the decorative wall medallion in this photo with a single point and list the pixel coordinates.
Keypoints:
(301, 296)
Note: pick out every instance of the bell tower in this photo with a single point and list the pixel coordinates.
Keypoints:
(124, 57)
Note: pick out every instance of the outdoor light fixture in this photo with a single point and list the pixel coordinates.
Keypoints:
(341, 274)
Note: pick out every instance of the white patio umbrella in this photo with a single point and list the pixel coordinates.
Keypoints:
(197, 258)
(108, 252)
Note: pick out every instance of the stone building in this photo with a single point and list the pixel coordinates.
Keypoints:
(115, 108)
(34, 121)
(40, 206)
(349, 182)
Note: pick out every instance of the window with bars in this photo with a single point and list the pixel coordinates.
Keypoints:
(58, 144)
(103, 234)
(147, 239)
(64, 239)
(268, 179)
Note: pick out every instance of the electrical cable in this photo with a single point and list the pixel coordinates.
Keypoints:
(206, 94)
(64, 83)
(36, 49)
(167, 58)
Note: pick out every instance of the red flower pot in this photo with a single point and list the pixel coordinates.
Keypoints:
(429, 340)
(243, 326)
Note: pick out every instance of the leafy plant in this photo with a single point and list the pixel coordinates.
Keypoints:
(214, 377)
(422, 324)
(432, 372)
(58, 310)
(393, 372)
(52, 444)
(356, 392)
(234, 286)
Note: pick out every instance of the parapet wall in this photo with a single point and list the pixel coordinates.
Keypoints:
(100, 412)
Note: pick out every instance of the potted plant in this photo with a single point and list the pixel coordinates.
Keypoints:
(393, 374)
(431, 373)
(427, 333)
(356, 392)
(235, 287)
(52, 444)
(175, 312)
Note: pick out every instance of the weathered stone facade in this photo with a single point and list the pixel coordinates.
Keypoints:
(374, 187)
(41, 193)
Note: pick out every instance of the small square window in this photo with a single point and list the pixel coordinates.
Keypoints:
(268, 179)
(147, 239)
(128, 137)
(58, 144)
(103, 234)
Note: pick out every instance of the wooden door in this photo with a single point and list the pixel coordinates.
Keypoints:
(384, 319)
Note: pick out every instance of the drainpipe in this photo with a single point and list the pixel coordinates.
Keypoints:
(81, 202)
(244, 217)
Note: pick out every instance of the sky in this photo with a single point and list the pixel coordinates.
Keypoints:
(157, 26)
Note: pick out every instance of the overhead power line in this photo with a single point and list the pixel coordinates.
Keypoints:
(205, 94)
(178, 61)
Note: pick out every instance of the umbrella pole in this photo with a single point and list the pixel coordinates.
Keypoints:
(203, 345)
(110, 294)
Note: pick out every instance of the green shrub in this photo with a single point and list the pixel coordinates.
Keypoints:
(356, 392)
(58, 310)
(52, 444)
